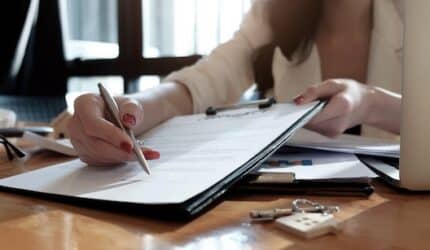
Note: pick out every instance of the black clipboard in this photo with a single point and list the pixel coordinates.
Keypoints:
(195, 206)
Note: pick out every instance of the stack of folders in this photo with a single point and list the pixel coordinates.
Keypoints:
(303, 171)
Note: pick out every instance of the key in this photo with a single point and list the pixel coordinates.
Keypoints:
(270, 214)
(307, 206)
(298, 206)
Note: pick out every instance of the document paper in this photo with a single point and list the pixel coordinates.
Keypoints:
(308, 164)
(346, 144)
(197, 151)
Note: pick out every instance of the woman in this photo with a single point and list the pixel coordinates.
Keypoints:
(343, 47)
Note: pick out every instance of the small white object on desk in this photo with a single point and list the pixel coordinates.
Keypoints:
(7, 118)
(60, 146)
(308, 225)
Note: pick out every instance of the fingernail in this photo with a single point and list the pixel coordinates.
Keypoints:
(151, 155)
(129, 119)
(299, 99)
(127, 147)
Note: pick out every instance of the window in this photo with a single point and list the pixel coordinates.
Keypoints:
(91, 29)
(78, 85)
(106, 29)
(186, 27)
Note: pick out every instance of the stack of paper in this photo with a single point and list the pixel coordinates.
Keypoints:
(346, 144)
(308, 164)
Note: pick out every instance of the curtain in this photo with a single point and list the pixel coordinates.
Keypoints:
(171, 27)
(184, 27)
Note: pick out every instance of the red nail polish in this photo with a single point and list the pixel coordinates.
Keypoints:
(299, 99)
(129, 119)
(151, 155)
(127, 147)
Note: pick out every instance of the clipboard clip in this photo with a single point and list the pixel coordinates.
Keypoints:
(261, 104)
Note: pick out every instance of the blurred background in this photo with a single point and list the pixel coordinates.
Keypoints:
(171, 28)
(57, 48)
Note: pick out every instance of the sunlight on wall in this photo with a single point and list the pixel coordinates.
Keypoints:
(185, 27)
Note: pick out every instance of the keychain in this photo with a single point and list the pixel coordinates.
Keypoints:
(298, 206)
(305, 218)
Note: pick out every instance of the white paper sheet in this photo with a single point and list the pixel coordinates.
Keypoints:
(196, 152)
(325, 165)
(346, 144)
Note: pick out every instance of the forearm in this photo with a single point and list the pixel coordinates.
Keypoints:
(162, 103)
(385, 110)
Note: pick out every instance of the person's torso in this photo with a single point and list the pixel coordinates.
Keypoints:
(343, 54)
(384, 65)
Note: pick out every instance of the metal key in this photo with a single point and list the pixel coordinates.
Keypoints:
(298, 206)
(307, 206)
(269, 214)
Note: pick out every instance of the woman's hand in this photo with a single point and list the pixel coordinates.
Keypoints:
(349, 105)
(96, 139)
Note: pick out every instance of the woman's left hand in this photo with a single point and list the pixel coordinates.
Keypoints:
(349, 104)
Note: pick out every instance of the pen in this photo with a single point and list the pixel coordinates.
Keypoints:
(113, 110)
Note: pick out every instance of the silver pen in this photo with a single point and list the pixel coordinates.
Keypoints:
(113, 110)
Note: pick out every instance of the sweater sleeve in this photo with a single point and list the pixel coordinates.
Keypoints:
(222, 77)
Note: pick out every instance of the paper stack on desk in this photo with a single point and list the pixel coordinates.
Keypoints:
(308, 164)
(201, 158)
(302, 171)
(346, 144)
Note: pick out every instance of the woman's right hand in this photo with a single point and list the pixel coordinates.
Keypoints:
(96, 139)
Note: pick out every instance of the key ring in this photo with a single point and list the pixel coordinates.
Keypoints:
(307, 206)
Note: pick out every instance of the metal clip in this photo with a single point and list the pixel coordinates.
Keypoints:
(261, 104)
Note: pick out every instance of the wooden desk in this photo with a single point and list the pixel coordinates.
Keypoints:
(387, 220)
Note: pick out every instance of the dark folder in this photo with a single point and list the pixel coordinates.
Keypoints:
(327, 187)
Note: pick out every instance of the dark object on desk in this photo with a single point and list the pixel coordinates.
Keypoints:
(332, 187)
(35, 108)
(18, 132)
(392, 162)
(385, 167)
(261, 104)
(12, 151)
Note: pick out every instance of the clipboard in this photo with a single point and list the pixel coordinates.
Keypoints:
(193, 206)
